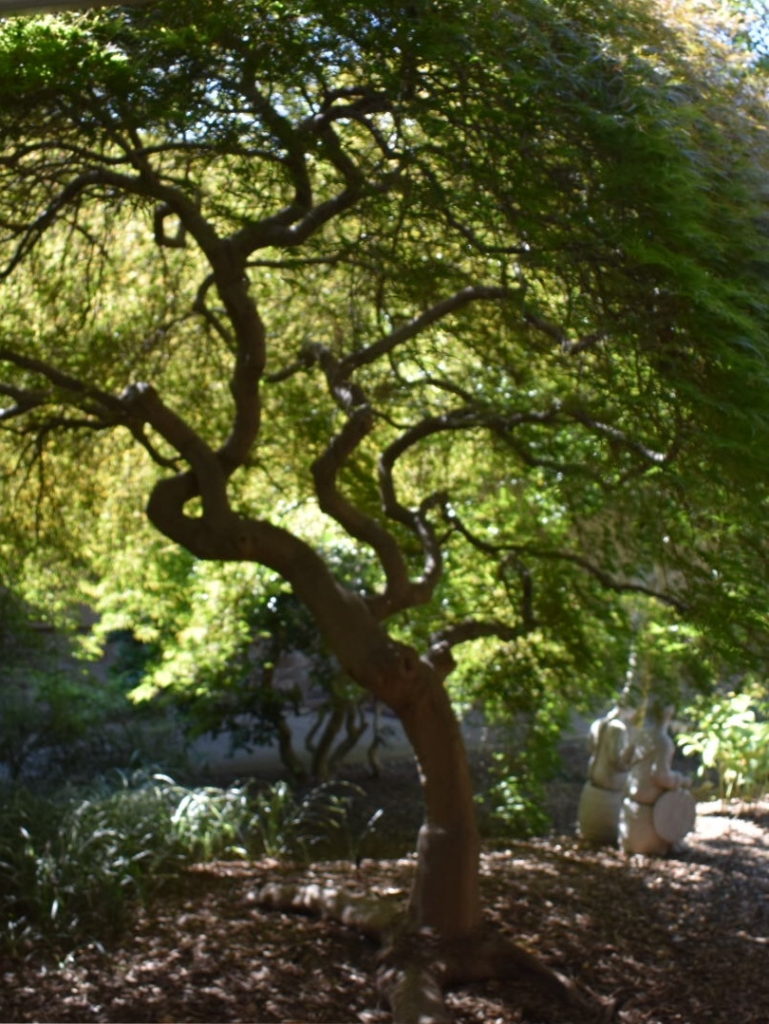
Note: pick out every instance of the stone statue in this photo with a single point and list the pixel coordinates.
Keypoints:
(658, 810)
(611, 753)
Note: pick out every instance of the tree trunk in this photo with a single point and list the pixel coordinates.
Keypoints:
(445, 896)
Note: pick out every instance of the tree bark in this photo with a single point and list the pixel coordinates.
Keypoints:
(445, 896)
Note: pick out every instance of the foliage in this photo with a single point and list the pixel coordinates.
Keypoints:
(482, 287)
(514, 804)
(210, 642)
(47, 717)
(750, 29)
(320, 823)
(74, 864)
(525, 759)
(55, 710)
(730, 737)
(597, 100)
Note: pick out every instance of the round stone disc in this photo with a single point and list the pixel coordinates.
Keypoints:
(674, 814)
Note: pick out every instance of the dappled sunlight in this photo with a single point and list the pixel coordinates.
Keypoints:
(639, 928)
(646, 927)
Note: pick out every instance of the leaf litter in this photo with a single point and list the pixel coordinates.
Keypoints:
(677, 940)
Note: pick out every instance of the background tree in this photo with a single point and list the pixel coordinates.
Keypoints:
(230, 651)
(484, 284)
(54, 708)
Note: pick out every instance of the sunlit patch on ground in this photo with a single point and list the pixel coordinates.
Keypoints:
(643, 929)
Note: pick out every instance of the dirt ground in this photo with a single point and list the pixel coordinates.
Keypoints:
(679, 940)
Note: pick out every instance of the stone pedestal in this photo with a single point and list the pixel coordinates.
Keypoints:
(637, 833)
(598, 814)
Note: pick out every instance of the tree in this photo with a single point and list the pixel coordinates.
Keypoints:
(232, 651)
(53, 707)
(484, 284)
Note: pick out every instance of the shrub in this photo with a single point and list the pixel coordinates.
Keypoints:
(513, 807)
(73, 866)
(731, 741)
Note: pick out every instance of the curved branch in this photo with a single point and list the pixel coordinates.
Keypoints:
(201, 306)
(144, 184)
(292, 262)
(294, 161)
(436, 312)
(619, 437)
(367, 101)
(64, 382)
(568, 345)
(272, 231)
(604, 578)
(30, 234)
(24, 400)
(247, 336)
(247, 372)
(416, 520)
(300, 219)
(304, 362)
(175, 241)
(328, 465)
(520, 249)
(228, 274)
(157, 456)
(248, 333)
(443, 641)
(477, 629)
(144, 404)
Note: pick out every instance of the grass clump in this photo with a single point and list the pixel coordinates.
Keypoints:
(73, 865)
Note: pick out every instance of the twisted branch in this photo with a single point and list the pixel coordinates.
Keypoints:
(327, 466)
(436, 312)
(144, 404)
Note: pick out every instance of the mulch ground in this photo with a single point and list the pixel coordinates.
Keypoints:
(679, 940)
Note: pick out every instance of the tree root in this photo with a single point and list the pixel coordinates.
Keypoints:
(415, 967)
(374, 918)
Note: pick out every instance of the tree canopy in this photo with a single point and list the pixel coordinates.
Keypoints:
(481, 287)
(593, 258)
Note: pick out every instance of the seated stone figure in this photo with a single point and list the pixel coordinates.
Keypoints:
(611, 752)
(657, 810)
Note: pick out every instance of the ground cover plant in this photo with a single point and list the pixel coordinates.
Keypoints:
(77, 863)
